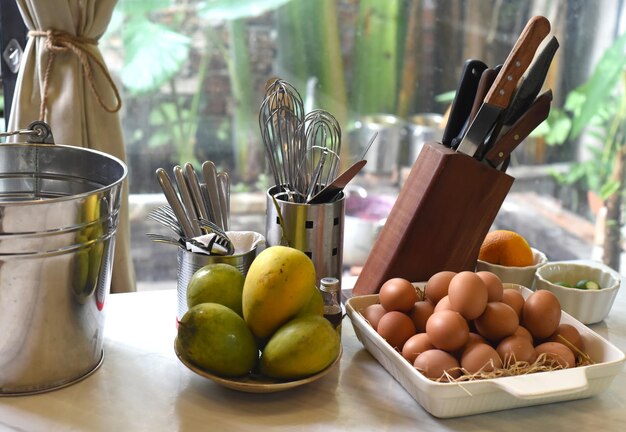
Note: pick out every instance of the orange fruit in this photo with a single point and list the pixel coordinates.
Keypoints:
(506, 248)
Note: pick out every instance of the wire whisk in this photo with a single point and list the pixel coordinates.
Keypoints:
(281, 113)
(321, 134)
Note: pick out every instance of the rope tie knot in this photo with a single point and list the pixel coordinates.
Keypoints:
(57, 41)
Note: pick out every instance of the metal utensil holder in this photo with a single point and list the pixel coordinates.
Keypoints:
(315, 229)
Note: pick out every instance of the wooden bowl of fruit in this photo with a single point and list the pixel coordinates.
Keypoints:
(585, 291)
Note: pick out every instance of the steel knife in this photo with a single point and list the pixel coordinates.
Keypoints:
(532, 82)
(486, 80)
(529, 87)
(463, 98)
(518, 132)
(499, 96)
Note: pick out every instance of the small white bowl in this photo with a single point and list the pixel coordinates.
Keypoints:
(518, 275)
(587, 306)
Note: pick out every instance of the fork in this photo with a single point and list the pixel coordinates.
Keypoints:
(160, 238)
(220, 235)
(182, 242)
(160, 216)
(166, 216)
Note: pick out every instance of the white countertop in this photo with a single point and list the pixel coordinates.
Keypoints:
(142, 386)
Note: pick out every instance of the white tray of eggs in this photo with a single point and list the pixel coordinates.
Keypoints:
(476, 380)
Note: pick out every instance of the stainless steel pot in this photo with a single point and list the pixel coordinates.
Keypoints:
(59, 210)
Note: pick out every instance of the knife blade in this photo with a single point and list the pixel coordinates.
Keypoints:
(486, 80)
(518, 132)
(499, 96)
(463, 98)
(331, 190)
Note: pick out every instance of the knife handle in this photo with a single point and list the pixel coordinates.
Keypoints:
(536, 114)
(531, 85)
(520, 57)
(486, 80)
(463, 98)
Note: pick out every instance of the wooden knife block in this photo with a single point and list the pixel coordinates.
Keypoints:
(439, 221)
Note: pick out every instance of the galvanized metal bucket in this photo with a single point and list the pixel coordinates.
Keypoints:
(59, 211)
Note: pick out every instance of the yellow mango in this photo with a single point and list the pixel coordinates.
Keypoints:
(277, 286)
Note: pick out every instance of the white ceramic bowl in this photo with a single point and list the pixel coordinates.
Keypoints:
(518, 275)
(587, 306)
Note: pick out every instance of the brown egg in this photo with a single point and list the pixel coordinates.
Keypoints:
(422, 310)
(416, 345)
(521, 331)
(447, 330)
(516, 349)
(397, 294)
(480, 357)
(494, 285)
(437, 286)
(396, 328)
(515, 299)
(497, 322)
(541, 314)
(570, 333)
(557, 353)
(474, 338)
(434, 363)
(443, 304)
(468, 294)
(373, 313)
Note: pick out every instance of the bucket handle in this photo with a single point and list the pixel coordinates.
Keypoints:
(38, 133)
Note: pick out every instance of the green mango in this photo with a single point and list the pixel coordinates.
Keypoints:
(216, 283)
(315, 305)
(216, 339)
(303, 346)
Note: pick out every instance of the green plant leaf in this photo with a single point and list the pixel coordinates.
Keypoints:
(609, 188)
(140, 7)
(446, 97)
(575, 100)
(222, 10)
(560, 128)
(154, 54)
(605, 77)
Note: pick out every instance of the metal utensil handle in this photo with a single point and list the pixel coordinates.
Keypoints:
(209, 173)
(223, 181)
(186, 199)
(193, 183)
(174, 201)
